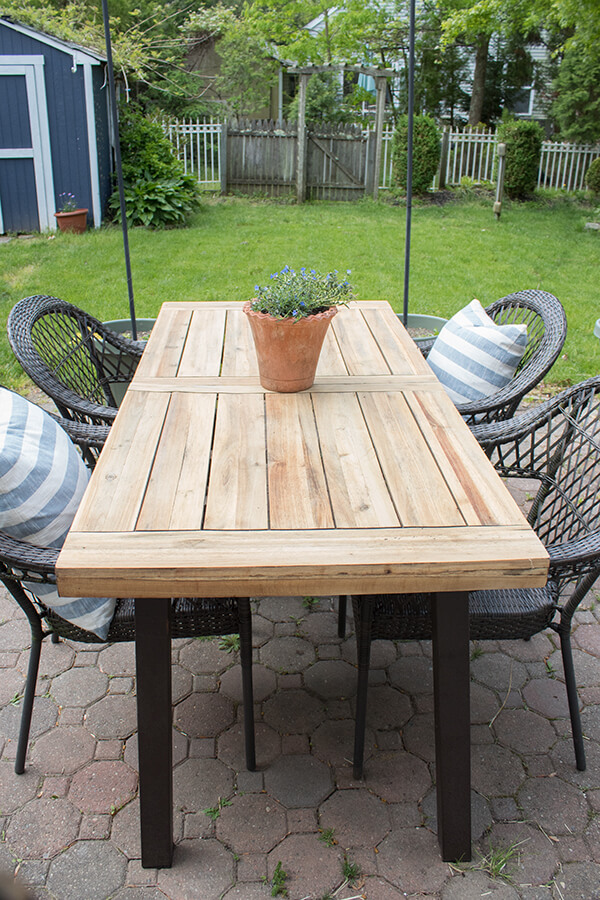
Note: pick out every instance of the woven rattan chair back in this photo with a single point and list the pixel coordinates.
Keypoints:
(71, 356)
(546, 332)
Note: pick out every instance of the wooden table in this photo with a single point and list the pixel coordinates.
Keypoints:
(370, 482)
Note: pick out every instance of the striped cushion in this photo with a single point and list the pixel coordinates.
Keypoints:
(42, 480)
(473, 357)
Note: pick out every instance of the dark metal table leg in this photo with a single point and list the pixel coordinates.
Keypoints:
(153, 668)
(451, 680)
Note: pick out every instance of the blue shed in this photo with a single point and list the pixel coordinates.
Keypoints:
(54, 129)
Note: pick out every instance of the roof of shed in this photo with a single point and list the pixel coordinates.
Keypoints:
(76, 50)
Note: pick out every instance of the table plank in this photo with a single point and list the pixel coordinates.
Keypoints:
(400, 351)
(237, 492)
(174, 497)
(298, 495)
(163, 350)
(204, 343)
(416, 483)
(115, 493)
(359, 494)
(359, 348)
(239, 355)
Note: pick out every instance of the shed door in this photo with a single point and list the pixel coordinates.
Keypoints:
(26, 183)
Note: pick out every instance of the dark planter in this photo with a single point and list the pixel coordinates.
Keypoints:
(432, 324)
(123, 326)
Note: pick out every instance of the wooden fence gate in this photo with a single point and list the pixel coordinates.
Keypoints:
(262, 157)
(337, 166)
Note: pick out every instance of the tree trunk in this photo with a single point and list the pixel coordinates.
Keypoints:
(476, 105)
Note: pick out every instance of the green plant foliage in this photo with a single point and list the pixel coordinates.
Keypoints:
(523, 147)
(576, 107)
(157, 192)
(592, 176)
(295, 295)
(426, 152)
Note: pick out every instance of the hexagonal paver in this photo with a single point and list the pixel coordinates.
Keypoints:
(312, 868)
(524, 731)
(298, 781)
(387, 708)
(558, 807)
(293, 712)
(264, 683)
(199, 783)
(287, 654)
(281, 609)
(357, 817)
(43, 827)
(125, 833)
(232, 747)
(578, 881)
(498, 671)
(201, 869)
(496, 772)
(475, 885)
(118, 659)
(90, 869)
(204, 656)
(115, 716)
(254, 823)
(331, 678)
(204, 714)
(103, 787)
(44, 717)
(413, 675)
(333, 742)
(547, 696)
(397, 777)
(16, 790)
(63, 750)
(410, 859)
(534, 859)
(81, 686)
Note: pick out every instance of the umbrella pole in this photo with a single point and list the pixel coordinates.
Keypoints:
(409, 157)
(118, 165)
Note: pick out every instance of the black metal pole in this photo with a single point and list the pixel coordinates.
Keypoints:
(118, 165)
(409, 156)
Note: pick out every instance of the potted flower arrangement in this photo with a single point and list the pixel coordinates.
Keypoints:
(289, 318)
(71, 217)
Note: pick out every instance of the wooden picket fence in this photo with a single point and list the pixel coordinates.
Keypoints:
(253, 156)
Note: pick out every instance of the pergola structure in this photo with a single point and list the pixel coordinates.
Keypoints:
(379, 75)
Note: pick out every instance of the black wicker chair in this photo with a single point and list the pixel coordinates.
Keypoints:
(546, 332)
(72, 357)
(558, 444)
(22, 562)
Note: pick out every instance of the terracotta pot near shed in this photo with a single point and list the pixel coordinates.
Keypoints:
(75, 220)
(288, 350)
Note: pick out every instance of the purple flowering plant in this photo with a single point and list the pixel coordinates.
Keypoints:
(67, 202)
(295, 295)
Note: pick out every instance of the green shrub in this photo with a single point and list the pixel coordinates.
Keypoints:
(158, 204)
(523, 147)
(426, 153)
(157, 192)
(592, 176)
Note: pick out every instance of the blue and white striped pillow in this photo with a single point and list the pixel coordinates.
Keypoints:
(473, 357)
(42, 480)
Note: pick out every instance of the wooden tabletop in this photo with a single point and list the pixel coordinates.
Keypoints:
(369, 482)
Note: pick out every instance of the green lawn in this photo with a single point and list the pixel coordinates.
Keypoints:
(459, 251)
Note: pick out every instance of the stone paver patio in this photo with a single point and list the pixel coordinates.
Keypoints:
(69, 825)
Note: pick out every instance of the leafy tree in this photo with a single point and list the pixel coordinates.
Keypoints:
(576, 108)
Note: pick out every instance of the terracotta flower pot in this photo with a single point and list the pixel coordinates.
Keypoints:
(288, 351)
(75, 220)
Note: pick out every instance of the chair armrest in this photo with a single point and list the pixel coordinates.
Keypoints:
(26, 560)
(82, 433)
(582, 554)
